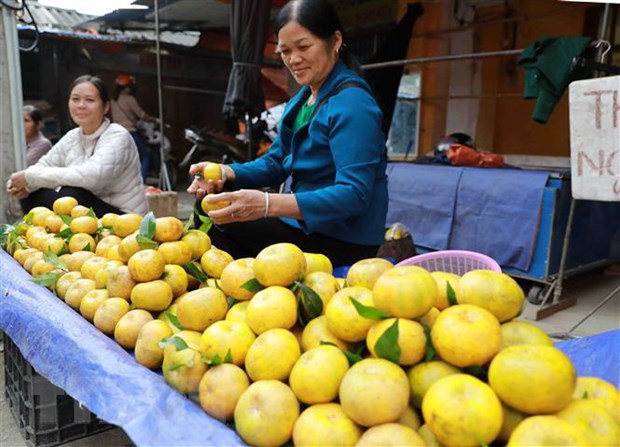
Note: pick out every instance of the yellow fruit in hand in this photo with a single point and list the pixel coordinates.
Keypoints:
(534, 379)
(64, 205)
(199, 309)
(546, 430)
(234, 276)
(458, 333)
(151, 295)
(266, 413)
(521, 332)
(411, 339)
(168, 229)
(128, 327)
(279, 265)
(442, 279)
(423, 375)
(496, 292)
(390, 434)
(147, 351)
(227, 337)
(208, 205)
(220, 389)
(198, 242)
(374, 391)
(325, 424)
(462, 410)
(262, 364)
(109, 313)
(406, 291)
(213, 171)
(316, 376)
(365, 272)
(343, 320)
(273, 307)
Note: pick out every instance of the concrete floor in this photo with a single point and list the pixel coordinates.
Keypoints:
(590, 289)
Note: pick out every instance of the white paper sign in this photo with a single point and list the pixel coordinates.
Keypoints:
(595, 138)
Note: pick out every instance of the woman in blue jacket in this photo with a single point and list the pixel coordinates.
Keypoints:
(330, 143)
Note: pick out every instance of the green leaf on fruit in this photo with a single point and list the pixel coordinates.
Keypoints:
(369, 312)
(352, 357)
(178, 343)
(65, 234)
(451, 294)
(172, 318)
(311, 302)
(53, 259)
(146, 243)
(193, 270)
(66, 219)
(206, 223)
(147, 226)
(387, 344)
(430, 349)
(252, 285)
(47, 279)
(28, 217)
(91, 212)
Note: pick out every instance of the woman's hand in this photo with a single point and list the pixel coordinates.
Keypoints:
(17, 185)
(201, 187)
(245, 205)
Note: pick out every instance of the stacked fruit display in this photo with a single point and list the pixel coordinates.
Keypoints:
(281, 350)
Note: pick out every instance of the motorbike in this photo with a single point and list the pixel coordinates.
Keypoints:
(152, 134)
(208, 146)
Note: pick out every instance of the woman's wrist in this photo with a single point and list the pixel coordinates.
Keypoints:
(266, 214)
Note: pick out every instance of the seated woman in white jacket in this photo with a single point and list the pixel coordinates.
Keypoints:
(97, 163)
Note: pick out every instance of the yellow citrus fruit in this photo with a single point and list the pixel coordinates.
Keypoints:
(91, 266)
(410, 418)
(103, 246)
(165, 315)
(227, 337)
(411, 339)
(365, 272)
(175, 252)
(63, 283)
(128, 246)
(91, 302)
(207, 205)
(521, 332)
(79, 211)
(54, 223)
(325, 424)
(593, 420)
(237, 311)
(128, 327)
(176, 277)
(77, 290)
(429, 438)
(390, 434)
(109, 313)
(374, 391)
(146, 265)
(462, 410)
(183, 369)
(510, 419)
(168, 229)
(546, 430)
(151, 295)
(442, 279)
(318, 262)
(343, 320)
(316, 376)
(84, 224)
(41, 267)
(101, 277)
(601, 391)
(405, 291)
(220, 388)
(81, 242)
(266, 413)
(279, 265)
(198, 242)
(21, 255)
(324, 284)
(234, 275)
(75, 260)
(38, 219)
(147, 351)
(533, 379)
(200, 308)
(214, 260)
(423, 375)
(496, 292)
(120, 283)
(64, 205)
(458, 331)
(316, 331)
(108, 219)
(125, 224)
(260, 361)
(429, 319)
(32, 259)
(273, 307)
(213, 171)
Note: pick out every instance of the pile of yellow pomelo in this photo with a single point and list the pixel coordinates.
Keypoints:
(283, 351)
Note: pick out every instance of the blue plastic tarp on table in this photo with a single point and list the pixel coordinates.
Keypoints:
(595, 356)
(91, 367)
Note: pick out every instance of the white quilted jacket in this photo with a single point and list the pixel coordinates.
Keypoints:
(105, 163)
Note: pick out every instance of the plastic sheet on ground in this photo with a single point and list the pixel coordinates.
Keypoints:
(72, 354)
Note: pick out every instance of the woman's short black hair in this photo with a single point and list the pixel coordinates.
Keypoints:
(33, 113)
(321, 19)
(97, 82)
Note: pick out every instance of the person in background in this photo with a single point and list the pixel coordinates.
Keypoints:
(36, 144)
(127, 112)
(336, 158)
(97, 163)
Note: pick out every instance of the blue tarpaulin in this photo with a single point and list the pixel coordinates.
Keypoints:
(91, 367)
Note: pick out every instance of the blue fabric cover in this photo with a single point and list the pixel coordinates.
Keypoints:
(72, 354)
(491, 211)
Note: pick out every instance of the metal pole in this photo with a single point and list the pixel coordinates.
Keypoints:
(164, 179)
